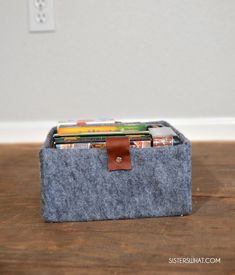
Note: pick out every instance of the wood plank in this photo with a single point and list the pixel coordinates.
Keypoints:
(140, 246)
(213, 169)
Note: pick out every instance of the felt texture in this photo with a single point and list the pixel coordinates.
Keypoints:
(76, 184)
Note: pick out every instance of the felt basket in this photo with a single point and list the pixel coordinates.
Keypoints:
(77, 186)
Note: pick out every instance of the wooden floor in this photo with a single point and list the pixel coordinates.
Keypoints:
(142, 246)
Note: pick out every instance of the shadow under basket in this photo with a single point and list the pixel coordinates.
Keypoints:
(77, 186)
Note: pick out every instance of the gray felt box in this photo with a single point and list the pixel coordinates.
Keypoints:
(77, 186)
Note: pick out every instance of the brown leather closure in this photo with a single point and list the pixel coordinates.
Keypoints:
(118, 153)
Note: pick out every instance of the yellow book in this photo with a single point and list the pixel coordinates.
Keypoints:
(84, 129)
(101, 128)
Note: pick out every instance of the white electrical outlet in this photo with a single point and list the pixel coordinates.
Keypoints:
(41, 15)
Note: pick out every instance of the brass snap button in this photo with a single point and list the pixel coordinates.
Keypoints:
(118, 159)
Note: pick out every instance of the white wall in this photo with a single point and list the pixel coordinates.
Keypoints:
(121, 59)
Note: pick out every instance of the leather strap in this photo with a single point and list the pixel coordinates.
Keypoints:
(118, 153)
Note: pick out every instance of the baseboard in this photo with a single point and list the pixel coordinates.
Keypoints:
(196, 129)
(24, 131)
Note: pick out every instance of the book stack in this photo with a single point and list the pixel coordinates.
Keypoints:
(87, 134)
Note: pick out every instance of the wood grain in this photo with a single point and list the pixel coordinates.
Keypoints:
(28, 245)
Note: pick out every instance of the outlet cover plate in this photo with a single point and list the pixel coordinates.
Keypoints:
(41, 15)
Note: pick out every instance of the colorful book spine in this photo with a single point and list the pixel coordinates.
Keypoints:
(100, 145)
(166, 141)
(74, 139)
(101, 128)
